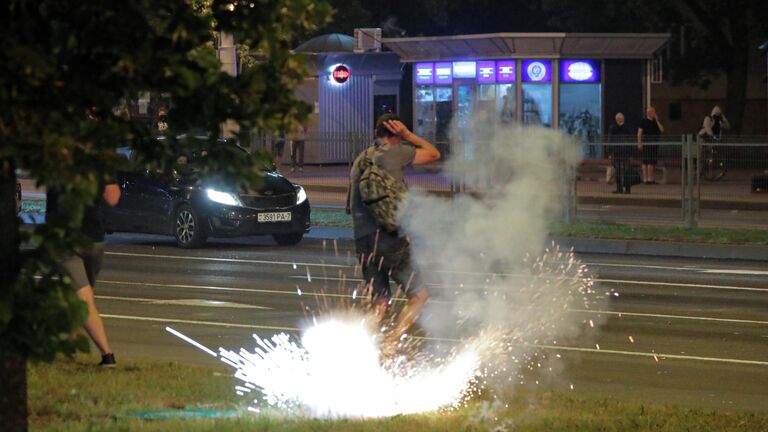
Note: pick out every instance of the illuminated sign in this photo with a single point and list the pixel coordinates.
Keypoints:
(425, 73)
(486, 72)
(537, 71)
(587, 71)
(443, 73)
(340, 74)
(505, 71)
(464, 69)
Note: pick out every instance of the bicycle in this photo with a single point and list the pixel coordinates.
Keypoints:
(713, 166)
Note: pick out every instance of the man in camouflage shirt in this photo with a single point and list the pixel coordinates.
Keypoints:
(382, 251)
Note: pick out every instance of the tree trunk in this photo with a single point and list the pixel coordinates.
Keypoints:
(13, 365)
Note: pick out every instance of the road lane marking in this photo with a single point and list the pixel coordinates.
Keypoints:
(349, 296)
(738, 272)
(186, 302)
(233, 260)
(588, 264)
(682, 317)
(208, 323)
(684, 285)
(547, 347)
(622, 281)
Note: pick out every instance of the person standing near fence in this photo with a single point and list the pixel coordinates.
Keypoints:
(620, 152)
(278, 147)
(649, 131)
(297, 147)
(713, 125)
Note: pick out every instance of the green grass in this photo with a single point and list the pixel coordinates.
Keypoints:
(606, 230)
(73, 395)
(331, 218)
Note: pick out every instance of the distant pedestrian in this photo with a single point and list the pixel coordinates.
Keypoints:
(647, 133)
(620, 152)
(161, 125)
(713, 125)
(278, 148)
(85, 265)
(297, 147)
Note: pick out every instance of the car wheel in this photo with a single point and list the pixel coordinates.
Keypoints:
(288, 239)
(187, 227)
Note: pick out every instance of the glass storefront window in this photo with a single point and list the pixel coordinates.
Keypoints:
(424, 111)
(443, 112)
(580, 114)
(537, 104)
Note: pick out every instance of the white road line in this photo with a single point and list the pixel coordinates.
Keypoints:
(219, 288)
(349, 296)
(682, 317)
(233, 260)
(661, 356)
(588, 264)
(547, 347)
(623, 281)
(186, 302)
(208, 323)
(686, 285)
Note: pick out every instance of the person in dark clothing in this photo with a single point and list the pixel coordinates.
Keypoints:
(648, 132)
(620, 153)
(84, 266)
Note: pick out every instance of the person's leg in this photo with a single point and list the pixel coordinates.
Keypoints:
(293, 155)
(301, 155)
(94, 325)
(617, 173)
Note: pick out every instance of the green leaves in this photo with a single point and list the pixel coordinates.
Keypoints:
(65, 65)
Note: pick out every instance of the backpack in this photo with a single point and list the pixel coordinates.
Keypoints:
(381, 192)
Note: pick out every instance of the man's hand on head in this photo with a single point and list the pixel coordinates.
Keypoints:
(397, 128)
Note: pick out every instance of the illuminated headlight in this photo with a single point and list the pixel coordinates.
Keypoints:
(225, 198)
(301, 195)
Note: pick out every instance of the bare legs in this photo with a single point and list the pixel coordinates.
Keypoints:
(94, 326)
(647, 173)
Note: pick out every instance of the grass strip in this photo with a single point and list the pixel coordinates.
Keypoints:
(706, 235)
(74, 395)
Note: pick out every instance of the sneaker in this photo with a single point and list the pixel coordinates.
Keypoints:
(108, 361)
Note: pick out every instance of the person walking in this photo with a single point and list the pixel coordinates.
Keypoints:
(620, 153)
(297, 147)
(278, 148)
(85, 265)
(648, 132)
(383, 250)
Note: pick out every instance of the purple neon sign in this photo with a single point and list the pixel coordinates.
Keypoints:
(505, 71)
(424, 73)
(486, 72)
(580, 71)
(537, 71)
(443, 73)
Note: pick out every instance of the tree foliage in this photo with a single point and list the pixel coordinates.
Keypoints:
(65, 66)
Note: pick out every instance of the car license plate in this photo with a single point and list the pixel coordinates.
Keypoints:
(274, 217)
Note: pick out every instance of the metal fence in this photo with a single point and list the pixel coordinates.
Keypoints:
(694, 181)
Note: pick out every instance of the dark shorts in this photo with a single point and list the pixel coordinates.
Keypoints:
(387, 256)
(84, 267)
(650, 154)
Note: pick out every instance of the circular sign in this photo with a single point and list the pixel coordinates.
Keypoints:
(340, 74)
(580, 71)
(537, 71)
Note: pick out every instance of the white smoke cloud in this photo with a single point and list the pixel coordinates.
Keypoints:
(484, 250)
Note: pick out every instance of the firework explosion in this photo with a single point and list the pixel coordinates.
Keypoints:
(336, 368)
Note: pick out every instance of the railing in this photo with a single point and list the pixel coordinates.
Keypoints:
(695, 181)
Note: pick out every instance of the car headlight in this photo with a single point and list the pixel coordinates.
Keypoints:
(301, 195)
(225, 198)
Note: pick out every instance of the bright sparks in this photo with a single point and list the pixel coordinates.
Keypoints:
(336, 372)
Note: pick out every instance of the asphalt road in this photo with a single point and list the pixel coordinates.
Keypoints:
(699, 329)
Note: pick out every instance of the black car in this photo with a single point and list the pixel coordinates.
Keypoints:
(183, 205)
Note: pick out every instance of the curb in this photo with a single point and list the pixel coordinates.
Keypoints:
(615, 247)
